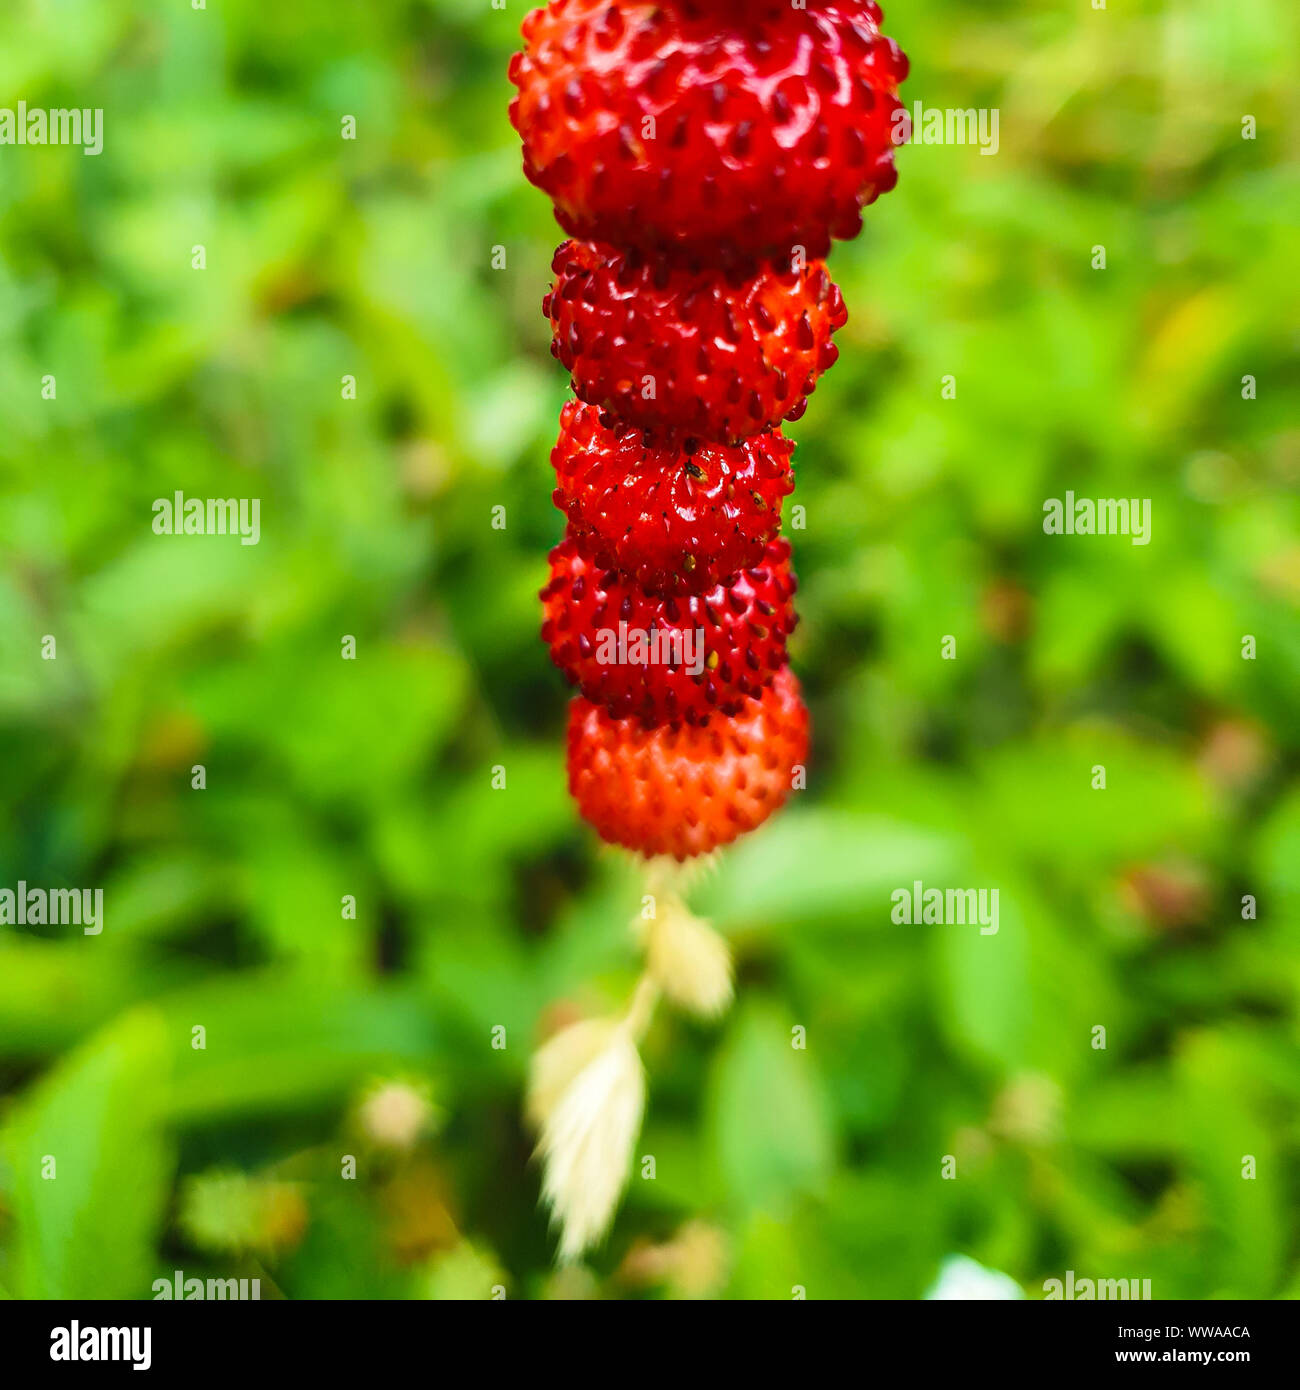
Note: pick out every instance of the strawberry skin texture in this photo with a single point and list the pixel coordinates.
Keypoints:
(673, 521)
(742, 627)
(736, 13)
(653, 124)
(687, 789)
(691, 352)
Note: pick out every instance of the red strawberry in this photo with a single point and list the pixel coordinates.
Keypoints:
(735, 12)
(667, 659)
(691, 351)
(683, 789)
(677, 522)
(651, 124)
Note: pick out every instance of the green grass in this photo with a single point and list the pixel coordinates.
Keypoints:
(479, 910)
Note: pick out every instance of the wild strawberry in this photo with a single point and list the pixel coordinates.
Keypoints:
(734, 12)
(650, 125)
(691, 351)
(674, 521)
(666, 659)
(686, 789)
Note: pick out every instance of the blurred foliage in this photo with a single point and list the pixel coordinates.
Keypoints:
(480, 909)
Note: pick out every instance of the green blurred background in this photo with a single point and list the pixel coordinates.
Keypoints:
(482, 910)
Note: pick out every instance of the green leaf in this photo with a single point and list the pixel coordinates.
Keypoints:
(982, 984)
(465, 1272)
(283, 1042)
(770, 1133)
(809, 866)
(92, 1168)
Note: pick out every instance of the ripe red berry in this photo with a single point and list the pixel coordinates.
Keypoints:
(733, 12)
(661, 659)
(686, 789)
(676, 522)
(739, 12)
(651, 124)
(691, 351)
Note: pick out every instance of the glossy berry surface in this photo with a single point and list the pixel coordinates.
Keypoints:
(691, 352)
(674, 521)
(686, 789)
(667, 659)
(736, 13)
(657, 124)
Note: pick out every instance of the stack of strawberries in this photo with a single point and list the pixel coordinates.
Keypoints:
(702, 154)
